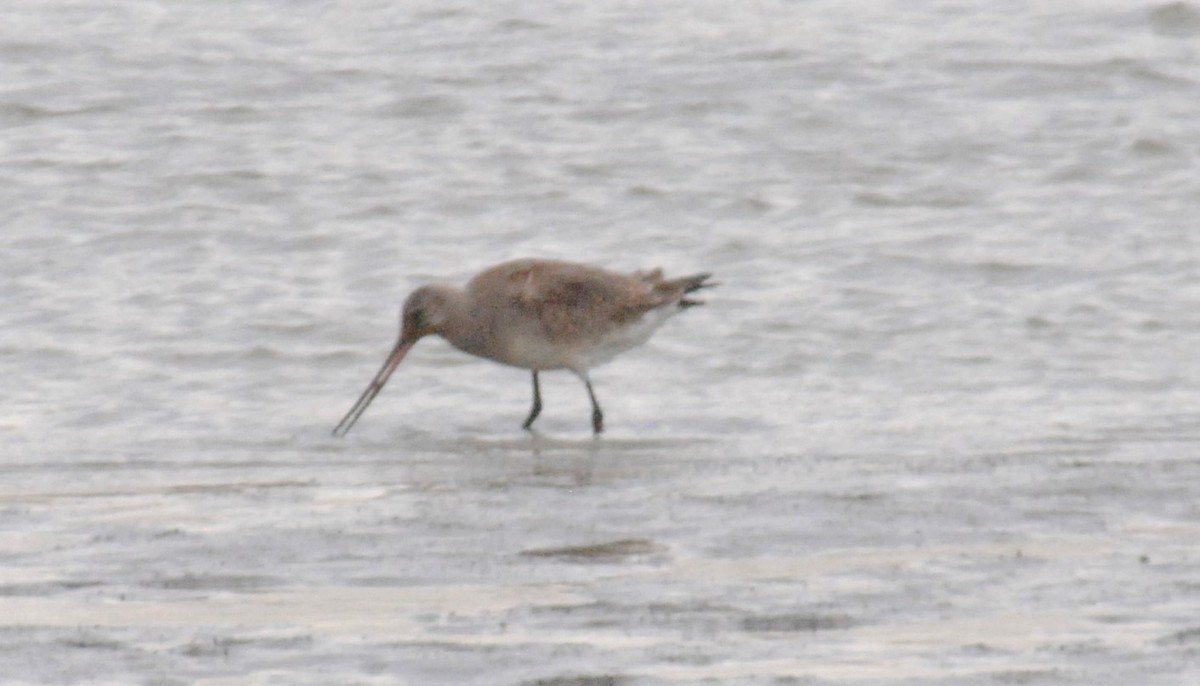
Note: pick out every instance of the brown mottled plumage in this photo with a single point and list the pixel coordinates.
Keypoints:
(539, 315)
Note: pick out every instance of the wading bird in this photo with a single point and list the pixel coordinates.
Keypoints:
(539, 315)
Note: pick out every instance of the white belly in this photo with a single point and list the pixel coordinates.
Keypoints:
(625, 338)
(526, 347)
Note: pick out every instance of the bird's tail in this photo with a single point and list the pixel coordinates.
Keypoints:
(691, 284)
(675, 290)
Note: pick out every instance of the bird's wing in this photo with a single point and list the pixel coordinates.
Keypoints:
(578, 301)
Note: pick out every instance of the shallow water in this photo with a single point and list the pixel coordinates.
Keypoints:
(938, 425)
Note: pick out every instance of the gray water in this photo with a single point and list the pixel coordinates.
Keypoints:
(939, 424)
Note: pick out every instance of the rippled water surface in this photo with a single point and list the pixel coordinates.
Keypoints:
(939, 424)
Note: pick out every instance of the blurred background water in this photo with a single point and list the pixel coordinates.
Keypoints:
(938, 424)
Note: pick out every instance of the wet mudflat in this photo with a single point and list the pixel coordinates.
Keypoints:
(581, 562)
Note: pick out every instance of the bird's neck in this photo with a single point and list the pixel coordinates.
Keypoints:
(464, 325)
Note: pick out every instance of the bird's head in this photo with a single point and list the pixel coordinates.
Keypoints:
(424, 313)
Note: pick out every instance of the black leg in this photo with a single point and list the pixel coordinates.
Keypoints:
(537, 403)
(597, 415)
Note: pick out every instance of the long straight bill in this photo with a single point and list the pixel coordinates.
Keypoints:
(377, 383)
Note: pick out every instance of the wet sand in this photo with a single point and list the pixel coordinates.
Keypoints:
(556, 561)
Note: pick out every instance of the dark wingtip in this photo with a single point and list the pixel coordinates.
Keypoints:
(690, 284)
(695, 283)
